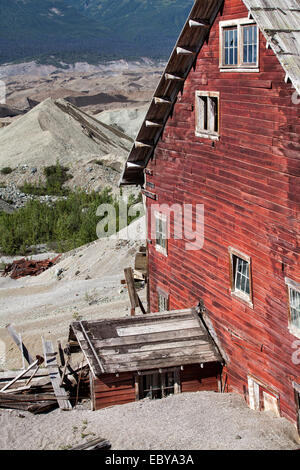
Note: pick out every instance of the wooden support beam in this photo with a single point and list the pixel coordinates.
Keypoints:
(196, 23)
(170, 76)
(52, 366)
(185, 51)
(138, 144)
(135, 165)
(20, 344)
(134, 301)
(158, 100)
(61, 354)
(153, 124)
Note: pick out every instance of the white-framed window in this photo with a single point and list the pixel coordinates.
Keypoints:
(163, 301)
(262, 397)
(157, 384)
(207, 114)
(239, 45)
(240, 273)
(161, 233)
(294, 306)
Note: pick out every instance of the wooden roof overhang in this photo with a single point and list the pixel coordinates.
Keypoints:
(147, 342)
(278, 20)
(183, 58)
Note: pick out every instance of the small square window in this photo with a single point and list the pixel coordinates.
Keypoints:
(294, 306)
(158, 385)
(163, 302)
(239, 41)
(161, 233)
(207, 115)
(240, 266)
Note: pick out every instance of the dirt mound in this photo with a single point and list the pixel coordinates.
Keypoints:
(127, 120)
(57, 130)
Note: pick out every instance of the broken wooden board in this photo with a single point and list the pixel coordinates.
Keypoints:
(133, 295)
(53, 369)
(33, 403)
(21, 374)
(20, 344)
(95, 444)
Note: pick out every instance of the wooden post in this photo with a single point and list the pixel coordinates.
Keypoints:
(22, 352)
(52, 366)
(133, 295)
(20, 344)
(134, 301)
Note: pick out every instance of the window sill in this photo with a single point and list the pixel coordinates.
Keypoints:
(294, 331)
(206, 135)
(245, 299)
(161, 250)
(240, 69)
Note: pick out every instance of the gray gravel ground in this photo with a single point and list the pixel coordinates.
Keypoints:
(193, 421)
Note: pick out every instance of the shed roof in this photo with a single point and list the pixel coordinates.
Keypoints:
(147, 342)
(279, 21)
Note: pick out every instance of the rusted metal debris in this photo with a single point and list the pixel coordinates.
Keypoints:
(23, 267)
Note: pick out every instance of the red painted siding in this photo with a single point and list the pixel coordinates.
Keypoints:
(195, 379)
(109, 390)
(249, 185)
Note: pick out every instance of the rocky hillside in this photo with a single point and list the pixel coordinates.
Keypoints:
(127, 120)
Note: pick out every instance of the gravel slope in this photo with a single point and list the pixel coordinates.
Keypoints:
(194, 421)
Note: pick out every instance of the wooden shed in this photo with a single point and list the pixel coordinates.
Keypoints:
(148, 356)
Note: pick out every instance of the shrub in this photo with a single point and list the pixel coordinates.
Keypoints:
(56, 177)
(6, 170)
(67, 224)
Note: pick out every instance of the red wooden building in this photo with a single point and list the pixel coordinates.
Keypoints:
(222, 131)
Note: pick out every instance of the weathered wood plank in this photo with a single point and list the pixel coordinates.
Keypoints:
(53, 369)
(20, 344)
(95, 444)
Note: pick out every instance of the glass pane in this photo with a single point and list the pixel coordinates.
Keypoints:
(230, 46)
(250, 60)
(226, 38)
(250, 44)
(238, 281)
(255, 53)
(242, 278)
(226, 56)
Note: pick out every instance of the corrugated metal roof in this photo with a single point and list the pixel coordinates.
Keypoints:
(147, 342)
(279, 21)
